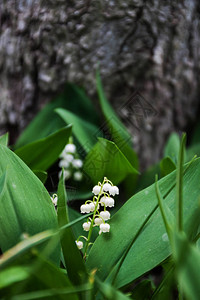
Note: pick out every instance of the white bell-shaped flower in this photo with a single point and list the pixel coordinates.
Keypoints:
(114, 190)
(98, 221)
(79, 244)
(70, 148)
(104, 201)
(78, 176)
(104, 227)
(69, 157)
(85, 208)
(86, 226)
(111, 202)
(92, 206)
(106, 187)
(63, 163)
(105, 215)
(77, 163)
(96, 189)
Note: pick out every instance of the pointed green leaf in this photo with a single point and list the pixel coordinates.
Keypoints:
(86, 133)
(119, 133)
(172, 147)
(40, 155)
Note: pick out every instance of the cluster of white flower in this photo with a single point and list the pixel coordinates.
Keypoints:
(71, 164)
(102, 199)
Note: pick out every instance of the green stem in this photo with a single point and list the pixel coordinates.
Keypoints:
(92, 222)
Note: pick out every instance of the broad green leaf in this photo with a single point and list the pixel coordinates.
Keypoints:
(86, 133)
(106, 159)
(25, 204)
(72, 256)
(172, 147)
(47, 121)
(119, 134)
(4, 139)
(42, 175)
(12, 275)
(167, 166)
(40, 155)
(137, 229)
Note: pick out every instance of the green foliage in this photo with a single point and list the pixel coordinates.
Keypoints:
(157, 226)
(140, 232)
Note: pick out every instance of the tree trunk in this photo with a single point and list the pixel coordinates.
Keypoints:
(149, 47)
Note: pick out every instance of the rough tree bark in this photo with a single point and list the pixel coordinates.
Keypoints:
(151, 46)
